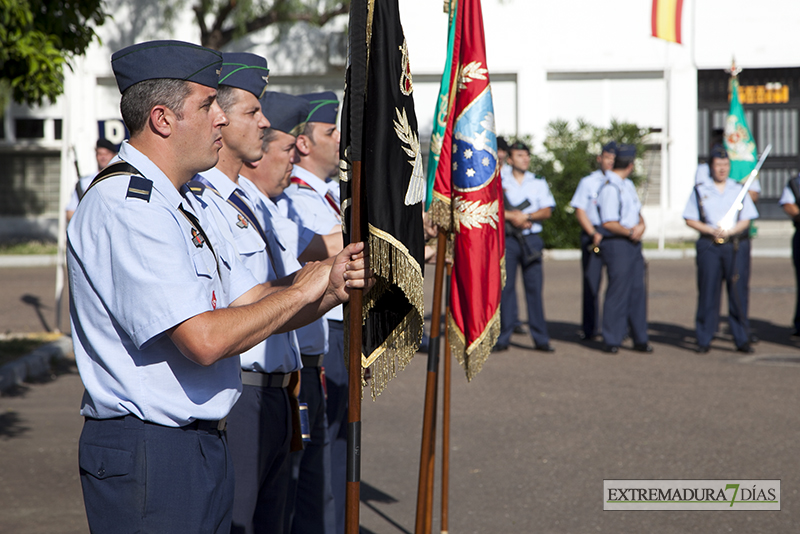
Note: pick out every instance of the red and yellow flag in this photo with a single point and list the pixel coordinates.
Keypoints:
(666, 20)
(467, 194)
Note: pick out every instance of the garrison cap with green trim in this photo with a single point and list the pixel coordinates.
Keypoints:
(285, 113)
(626, 151)
(610, 147)
(324, 107)
(174, 60)
(244, 70)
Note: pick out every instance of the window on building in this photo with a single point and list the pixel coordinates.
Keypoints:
(57, 125)
(29, 183)
(29, 128)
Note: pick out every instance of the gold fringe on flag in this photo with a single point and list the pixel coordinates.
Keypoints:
(440, 212)
(473, 357)
(392, 264)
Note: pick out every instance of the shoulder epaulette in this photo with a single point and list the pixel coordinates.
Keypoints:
(140, 188)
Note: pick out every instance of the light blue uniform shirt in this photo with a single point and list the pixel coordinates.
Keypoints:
(787, 197)
(703, 174)
(309, 209)
(279, 353)
(585, 196)
(617, 201)
(135, 272)
(716, 204)
(532, 189)
(312, 338)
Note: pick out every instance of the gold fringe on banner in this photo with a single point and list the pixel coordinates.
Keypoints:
(392, 264)
(440, 212)
(473, 357)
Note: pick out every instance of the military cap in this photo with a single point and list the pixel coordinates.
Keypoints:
(718, 151)
(626, 151)
(108, 145)
(519, 145)
(610, 147)
(174, 60)
(323, 107)
(502, 144)
(244, 71)
(285, 113)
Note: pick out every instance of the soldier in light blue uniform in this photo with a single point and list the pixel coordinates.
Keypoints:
(585, 203)
(528, 202)
(722, 254)
(260, 424)
(790, 201)
(309, 503)
(623, 226)
(161, 307)
(310, 203)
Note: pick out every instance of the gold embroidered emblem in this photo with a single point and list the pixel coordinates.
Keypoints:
(469, 72)
(472, 214)
(406, 85)
(416, 185)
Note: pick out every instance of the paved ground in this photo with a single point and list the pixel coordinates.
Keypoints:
(533, 436)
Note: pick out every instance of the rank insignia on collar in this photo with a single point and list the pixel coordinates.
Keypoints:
(197, 239)
(242, 222)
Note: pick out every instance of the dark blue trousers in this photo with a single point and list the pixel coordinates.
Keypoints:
(532, 279)
(309, 504)
(260, 433)
(592, 268)
(715, 264)
(143, 477)
(626, 302)
(796, 261)
(336, 379)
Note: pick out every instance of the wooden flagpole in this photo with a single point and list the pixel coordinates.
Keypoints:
(426, 459)
(446, 412)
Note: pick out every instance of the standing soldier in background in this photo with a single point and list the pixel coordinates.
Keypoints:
(790, 201)
(528, 202)
(623, 226)
(585, 203)
(722, 254)
(104, 152)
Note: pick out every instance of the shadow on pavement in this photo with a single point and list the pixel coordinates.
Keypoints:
(11, 426)
(36, 302)
(370, 494)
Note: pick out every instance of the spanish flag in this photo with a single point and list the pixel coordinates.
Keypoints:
(666, 20)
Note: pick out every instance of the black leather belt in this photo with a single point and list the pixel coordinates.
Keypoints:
(265, 380)
(310, 360)
(738, 237)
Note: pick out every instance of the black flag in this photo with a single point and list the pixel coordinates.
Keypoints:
(384, 138)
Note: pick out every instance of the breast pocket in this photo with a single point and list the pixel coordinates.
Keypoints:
(205, 264)
(248, 243)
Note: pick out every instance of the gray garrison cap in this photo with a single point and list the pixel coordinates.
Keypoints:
(324, 107)
(175, 60)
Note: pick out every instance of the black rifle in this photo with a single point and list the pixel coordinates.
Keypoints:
(528, 255)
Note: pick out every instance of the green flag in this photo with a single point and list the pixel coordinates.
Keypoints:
(442, 109)
(739, 141)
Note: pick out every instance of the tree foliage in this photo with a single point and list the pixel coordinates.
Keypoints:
(222, 21)
(38, 38)
(570, 154)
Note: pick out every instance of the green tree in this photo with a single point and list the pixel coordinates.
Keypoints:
(38, 38)
(570, 154)
(221, 21)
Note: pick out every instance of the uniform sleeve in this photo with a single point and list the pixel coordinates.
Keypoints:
(755, 187)
(787, 197)
(546, 198)
(692, 212)
(580, 198)
(608, 204)
(308, 212)
(749, 210)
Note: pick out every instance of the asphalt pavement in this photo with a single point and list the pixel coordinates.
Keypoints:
(533, 436)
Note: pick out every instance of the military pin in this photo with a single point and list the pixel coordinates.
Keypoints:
(197, 239)
(242, 223)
